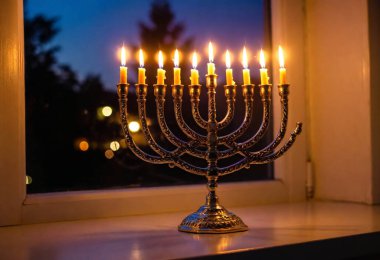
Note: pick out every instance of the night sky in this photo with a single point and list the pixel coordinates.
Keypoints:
(93, 30)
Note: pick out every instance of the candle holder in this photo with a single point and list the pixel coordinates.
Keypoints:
(211, 217)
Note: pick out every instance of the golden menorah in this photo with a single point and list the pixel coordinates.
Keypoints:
(211, 217)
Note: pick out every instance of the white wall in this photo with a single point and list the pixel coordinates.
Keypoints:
(338, 78)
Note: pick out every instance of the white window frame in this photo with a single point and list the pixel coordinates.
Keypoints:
(17, 207)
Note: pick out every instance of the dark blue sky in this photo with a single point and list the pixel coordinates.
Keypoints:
(93, 30)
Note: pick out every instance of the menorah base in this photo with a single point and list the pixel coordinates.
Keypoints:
(212, 219)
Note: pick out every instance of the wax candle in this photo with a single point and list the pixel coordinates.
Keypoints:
(141, 77)
(229, 77)
(210, 64)
(246, 72)
(160, 72)
(263, 70)
(177, 70)
(123, 68)
(282, 66)
(194, 72)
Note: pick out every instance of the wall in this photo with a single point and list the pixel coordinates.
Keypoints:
(338, 78)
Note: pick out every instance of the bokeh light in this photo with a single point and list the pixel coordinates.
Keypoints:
(134, 126)
(84, 146)
(106, 111)
(109, 154)
(114, 145)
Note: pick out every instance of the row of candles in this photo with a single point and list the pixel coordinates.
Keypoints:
(194, 77)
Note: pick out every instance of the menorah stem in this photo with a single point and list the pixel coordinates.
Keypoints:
(212, 137)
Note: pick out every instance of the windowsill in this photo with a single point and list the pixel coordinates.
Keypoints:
(298, 229)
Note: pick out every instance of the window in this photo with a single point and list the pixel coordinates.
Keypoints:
(16, 207)
(73, 134)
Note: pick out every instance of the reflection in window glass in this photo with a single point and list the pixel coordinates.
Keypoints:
(74, 138)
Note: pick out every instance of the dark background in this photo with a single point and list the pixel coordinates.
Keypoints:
(63, 98)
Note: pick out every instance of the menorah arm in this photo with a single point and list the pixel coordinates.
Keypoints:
(177, 92)
(248, 93)
(185, 147)
(230, 93)
(283, 92)
(195, 92)
(257, 158)
(123, 91)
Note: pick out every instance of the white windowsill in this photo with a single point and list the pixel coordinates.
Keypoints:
(298, 229)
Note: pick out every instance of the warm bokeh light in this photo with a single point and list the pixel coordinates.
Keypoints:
(109, 154)
(84, 145)
(176, 58)
(210, 52)
(123, 56)
(134, 126)
(228, 60)
(28, 180)
(114, 145)
(281, 58)
(106, 111)
(245, 58)
(141, 58)
(262, 59)
(195, 60)
(160, 60)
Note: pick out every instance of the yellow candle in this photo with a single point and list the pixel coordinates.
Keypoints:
(160, 72)
(123, 68)
(194, 72)
(141, 77)
(177, 70)
(263, 70)
(246, 72)
(210, 64)
(282, 66)
(229, 77)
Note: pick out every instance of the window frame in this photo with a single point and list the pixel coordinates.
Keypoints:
(17, 207)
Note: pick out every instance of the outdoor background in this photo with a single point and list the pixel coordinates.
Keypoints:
(72, 70)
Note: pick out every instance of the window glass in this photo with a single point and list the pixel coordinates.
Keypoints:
(73, 132)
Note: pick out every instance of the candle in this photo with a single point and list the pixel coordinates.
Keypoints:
(194, 72)
(160, 72)
(210, 64)
(282, 66)
(229, 77)
(246, 72)
(177, 71)
(141, 77)
(123, 68)
(263, 70)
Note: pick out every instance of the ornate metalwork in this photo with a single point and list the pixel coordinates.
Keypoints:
(211, 217)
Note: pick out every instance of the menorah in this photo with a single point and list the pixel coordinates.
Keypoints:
(211, 217)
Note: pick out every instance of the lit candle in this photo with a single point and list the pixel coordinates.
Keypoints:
(141, 77)
(282, 66)
(177, 70)
(229, 77)
(263, 70)
(210, 64)
(123, 68)
(246, 72)
(160, 72)
(194, 72)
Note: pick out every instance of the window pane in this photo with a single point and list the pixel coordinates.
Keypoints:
(74, 137)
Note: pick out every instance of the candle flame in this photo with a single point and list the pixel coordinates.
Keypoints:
(262, 59)
(228, 59)
(123, 56)
(141, 58)
(281, 57)
(160, 60)
(176, 58)
(245, 58)
(210, 52)
(195, 60)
